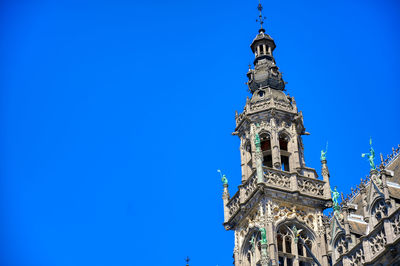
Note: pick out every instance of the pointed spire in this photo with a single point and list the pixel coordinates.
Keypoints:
(261, 18)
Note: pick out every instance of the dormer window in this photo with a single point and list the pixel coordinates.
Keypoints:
(261, 94)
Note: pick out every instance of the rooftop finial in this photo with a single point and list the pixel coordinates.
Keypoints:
(260, 17)
(187, 261)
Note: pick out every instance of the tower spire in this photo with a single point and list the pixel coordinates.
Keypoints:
(261, 18)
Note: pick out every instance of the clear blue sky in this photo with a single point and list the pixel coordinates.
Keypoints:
(115, 116)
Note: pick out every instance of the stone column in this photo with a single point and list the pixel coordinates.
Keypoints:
(273, 255)
(225, 198)
(276, 155)
(363, 193)
(385, 187)
(345, 211)
(325, 175)
(295, 156)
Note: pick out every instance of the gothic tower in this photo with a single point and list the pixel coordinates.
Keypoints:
(276, 213)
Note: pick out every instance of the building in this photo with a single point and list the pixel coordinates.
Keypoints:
(277, 212)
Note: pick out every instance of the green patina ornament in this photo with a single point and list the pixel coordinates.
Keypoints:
(263, 236)
(257, 142)
(335, 198)
(296, 233)
(224, 180)
(370, 156)
(323, 153)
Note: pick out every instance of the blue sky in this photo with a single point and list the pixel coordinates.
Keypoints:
(116, 115)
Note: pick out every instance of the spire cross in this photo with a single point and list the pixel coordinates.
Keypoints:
(260, 17)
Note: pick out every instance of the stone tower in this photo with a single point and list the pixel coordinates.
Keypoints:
(276, 213)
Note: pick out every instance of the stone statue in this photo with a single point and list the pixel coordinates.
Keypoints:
(370, 156)
(323, 153)
(223, 178)
(335, 198)
(263, 236)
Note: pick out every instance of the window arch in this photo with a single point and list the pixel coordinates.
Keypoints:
(284, 149)
(266, 149)
(379, 210)
(251, 249)
(288, 250)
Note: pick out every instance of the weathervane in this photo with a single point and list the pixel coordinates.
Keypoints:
(260, 17)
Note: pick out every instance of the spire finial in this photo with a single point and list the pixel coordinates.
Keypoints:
(260, 17)
(187, 261)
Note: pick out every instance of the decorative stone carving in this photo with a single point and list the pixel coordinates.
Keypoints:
(379, 210)
(341, 245)
(234, 204)
(377, 242)
(395, 222)
(357, 257)
(310, 186)
(277, 178)
(250, 186)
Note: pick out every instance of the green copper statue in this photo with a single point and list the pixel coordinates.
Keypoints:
(335, 198)
(296, 233)
(263, 236)
(223, 178)
(323, 153)
(257, 142)
(370, 156)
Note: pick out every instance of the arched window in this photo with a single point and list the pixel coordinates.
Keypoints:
(283, 145)
(262, 47)
(266, 149)
(379, 210)
(283, 142)
(252, 249)
(288, 249)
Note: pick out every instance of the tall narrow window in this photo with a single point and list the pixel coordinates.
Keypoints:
(266, 149)
(283, 145)
(283, 142)
(261, 49)
(285, 163)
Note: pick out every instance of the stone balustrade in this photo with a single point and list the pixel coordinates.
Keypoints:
(272, 178)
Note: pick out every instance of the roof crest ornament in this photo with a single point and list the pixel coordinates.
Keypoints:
(261, 18)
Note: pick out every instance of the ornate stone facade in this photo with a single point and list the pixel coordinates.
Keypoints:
(283, 197)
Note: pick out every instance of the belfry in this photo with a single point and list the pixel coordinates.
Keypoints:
(277, 212)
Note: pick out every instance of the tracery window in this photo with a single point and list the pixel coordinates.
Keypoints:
(252, 249)
(288, 250)
(379, 210)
